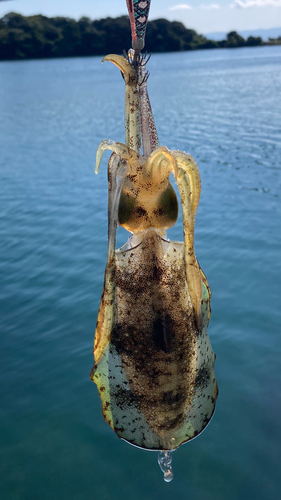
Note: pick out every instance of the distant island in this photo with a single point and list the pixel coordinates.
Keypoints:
(37, 37)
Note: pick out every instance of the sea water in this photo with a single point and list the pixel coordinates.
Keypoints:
(224, 108)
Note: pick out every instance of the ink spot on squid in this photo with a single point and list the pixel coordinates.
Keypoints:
(202, 378)
(140, 212)
(174, 398)
(171, 423)
(160, 211)
(162, 334)
(124, 398)
(116, 338)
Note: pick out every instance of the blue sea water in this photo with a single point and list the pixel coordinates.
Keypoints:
(224, 108)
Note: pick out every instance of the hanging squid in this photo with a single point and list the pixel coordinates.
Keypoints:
(153, 361)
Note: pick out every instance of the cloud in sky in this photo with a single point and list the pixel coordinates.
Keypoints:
(238, 4)
(185, 6)
(209, 7)
(246, 4)
(181, 6)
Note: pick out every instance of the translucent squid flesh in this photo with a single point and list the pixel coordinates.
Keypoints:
(154, 364)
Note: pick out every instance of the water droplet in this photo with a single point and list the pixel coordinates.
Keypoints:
(168, 475)
(165, 464)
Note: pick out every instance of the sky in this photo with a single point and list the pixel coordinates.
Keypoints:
(205, 17)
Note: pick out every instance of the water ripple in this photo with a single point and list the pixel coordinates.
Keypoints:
(224, 108)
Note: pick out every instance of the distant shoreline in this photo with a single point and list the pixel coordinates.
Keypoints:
(40, 37)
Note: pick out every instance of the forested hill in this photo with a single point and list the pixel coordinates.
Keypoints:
(41, 37)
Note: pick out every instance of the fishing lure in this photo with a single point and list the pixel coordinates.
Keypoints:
(154, 364)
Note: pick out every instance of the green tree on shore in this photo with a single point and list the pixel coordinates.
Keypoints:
(38, 36)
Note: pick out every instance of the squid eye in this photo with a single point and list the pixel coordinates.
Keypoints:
(131, 215)
(126, 207)
(168, 205)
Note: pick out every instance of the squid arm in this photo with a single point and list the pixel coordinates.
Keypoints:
(132, 105)
(139, 121)
(106, 313)
(189, 184)
(150, 139)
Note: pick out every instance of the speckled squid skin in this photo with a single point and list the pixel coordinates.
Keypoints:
(156, 376)
(154, 364)
(132, 104)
